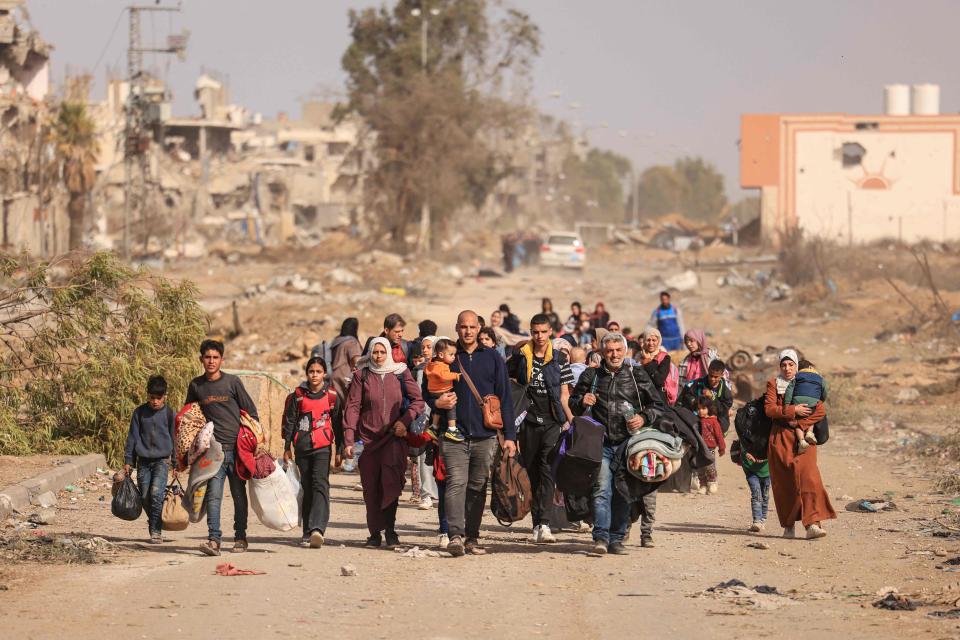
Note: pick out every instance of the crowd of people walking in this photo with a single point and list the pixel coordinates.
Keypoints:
(440, 408)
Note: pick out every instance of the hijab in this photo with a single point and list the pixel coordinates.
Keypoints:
(645, 356)
(389, 366)
(703, 350)
(783, 383)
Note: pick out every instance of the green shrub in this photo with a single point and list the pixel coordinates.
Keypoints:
(80, 336)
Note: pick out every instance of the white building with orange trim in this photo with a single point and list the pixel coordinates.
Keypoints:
(854, 179)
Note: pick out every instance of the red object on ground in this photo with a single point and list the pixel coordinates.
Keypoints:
(227, 569)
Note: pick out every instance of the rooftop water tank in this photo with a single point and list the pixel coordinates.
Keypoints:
(896, 100)
(925, 100)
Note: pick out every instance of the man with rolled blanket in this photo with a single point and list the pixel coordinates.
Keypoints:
(623, 398)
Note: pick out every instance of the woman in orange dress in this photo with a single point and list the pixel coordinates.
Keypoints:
(797, 487)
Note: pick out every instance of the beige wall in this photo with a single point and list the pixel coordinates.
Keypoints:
(902, 189)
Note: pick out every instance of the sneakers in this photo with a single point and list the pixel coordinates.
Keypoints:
(599, 548)
(374, 541)
(617, 549)
(455, 546)
(712, 488)
(647, 541)
(546, 536)
(425, 504)
(305, 542)
(535, 539)
(702, 490)
(473, 547)
(814, 531)
(756, 527)
(156, 538)
(694, 484)
(240, 546)
(443, 541)
(453, 434)
(790, 532)
(210, 548)
(393, 540)
(316, 540)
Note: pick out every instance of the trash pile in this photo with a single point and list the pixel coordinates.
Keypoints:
(737, 592)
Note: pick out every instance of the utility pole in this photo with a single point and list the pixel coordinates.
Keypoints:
(136, 165)
(423, 240)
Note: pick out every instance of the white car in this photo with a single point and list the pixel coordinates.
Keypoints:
(563, 249)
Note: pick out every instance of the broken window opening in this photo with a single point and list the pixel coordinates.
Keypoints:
(852, 154)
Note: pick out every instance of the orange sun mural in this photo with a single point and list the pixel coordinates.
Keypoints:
(873, 180)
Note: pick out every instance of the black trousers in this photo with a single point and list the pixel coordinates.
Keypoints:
(536, 441)
(315, 479)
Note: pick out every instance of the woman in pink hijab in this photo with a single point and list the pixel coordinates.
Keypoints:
(696, 363)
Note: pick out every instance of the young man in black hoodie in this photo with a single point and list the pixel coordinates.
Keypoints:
(468, 462)
(221, 397)
(150, 447)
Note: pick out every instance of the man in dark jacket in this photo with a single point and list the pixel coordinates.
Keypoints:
(624, 400)
(393, 327)
(547, 377)
(468, 462)
(713, 386)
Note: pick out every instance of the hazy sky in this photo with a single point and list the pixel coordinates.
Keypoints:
(675, 75)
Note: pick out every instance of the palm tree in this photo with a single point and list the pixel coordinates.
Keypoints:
(75, 136)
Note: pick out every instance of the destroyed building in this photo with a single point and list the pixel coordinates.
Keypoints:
(31, 221)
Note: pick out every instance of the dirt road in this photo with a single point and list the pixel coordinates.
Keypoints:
(520, 589)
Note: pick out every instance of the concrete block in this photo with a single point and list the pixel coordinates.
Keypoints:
(45, 499)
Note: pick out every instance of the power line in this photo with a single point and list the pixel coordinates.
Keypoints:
(116, 25)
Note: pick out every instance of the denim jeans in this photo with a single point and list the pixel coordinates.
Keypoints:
(759, 496)
(238, 489)
(611, 511)
(152, 482)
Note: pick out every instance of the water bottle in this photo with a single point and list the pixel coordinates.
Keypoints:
(627, 410)
(350, 465)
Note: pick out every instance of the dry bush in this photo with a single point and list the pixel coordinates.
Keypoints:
(846, 405)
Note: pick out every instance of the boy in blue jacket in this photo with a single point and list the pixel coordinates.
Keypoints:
(150, 448)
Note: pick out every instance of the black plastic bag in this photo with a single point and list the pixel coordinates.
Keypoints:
(126, 503)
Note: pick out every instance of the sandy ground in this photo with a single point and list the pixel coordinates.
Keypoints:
(13, 469)
(520, 589)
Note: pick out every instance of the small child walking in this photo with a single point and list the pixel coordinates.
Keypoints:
(440, 380)
(712, 434)
(150, 447)
(807, 388)
(758, 478)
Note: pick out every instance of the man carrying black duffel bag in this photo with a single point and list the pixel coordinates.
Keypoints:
(624, 400)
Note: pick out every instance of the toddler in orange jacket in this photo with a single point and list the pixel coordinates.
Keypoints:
(440, 380)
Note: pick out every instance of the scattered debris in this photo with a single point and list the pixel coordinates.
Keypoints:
(952, 613)
(228, 569)
(907, 395)
(348, 570)
(871, 505)
(892, 601)
(44, 516)
(417, 552)
(760, 597)
(686, 281)
(759, 545)
(343, 276)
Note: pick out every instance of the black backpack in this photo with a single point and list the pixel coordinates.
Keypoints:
(510, 494)
(753, 428)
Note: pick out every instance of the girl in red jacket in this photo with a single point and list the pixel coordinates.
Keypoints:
(712, 435)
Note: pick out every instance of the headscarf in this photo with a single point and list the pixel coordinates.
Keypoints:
(783, 383)
(389, 366)
(650, 331)
(559, 344)
(703, 350)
